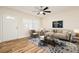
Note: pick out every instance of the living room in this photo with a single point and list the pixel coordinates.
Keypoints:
(17, 23)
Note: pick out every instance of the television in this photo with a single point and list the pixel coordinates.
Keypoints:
(57, 24)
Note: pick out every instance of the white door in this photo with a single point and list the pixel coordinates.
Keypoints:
(9, 28)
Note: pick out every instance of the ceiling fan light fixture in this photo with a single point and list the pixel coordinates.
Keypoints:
(41, 12)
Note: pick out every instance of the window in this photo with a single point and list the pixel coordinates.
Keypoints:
(31, 24)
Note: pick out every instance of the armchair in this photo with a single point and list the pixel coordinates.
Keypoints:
(33, 34)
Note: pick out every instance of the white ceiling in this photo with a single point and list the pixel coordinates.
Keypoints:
(31, 9)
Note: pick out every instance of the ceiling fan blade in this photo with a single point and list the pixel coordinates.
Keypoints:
(48, 11)
(44, 14)
(45, 8)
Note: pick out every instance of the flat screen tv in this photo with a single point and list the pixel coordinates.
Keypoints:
(57, 24)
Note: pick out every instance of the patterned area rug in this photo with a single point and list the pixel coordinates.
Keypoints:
(67, 47)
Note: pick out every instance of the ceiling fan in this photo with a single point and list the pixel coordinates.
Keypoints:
(43, 10)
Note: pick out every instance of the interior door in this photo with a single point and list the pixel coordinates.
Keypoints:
(9, 28)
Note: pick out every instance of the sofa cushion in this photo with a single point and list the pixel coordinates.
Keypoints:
(60, 35)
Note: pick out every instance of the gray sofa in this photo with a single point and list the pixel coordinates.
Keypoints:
(61, 34)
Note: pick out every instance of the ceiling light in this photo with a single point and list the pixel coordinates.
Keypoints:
(41, 12)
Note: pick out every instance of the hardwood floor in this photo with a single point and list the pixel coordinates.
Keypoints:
(20, 46)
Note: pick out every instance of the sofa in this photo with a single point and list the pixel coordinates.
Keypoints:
(63, 34)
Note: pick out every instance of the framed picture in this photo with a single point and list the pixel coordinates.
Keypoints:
(57, 24)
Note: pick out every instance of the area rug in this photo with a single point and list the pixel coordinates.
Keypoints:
(68, 47)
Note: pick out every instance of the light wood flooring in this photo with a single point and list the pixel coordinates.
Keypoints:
(20, 46)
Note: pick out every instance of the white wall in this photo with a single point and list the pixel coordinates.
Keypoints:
(70, 19)
(0, 27)
(19, 17)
